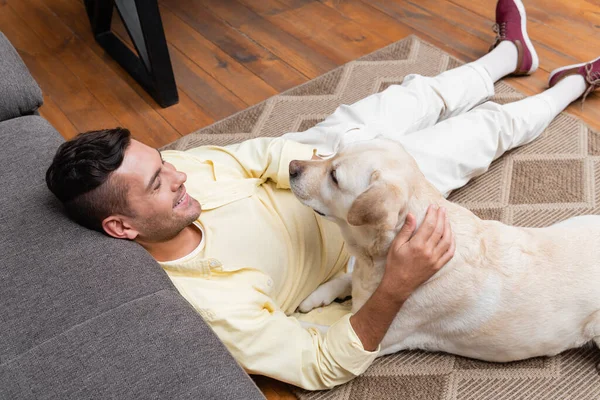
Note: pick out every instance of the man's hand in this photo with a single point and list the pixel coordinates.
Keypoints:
(316, 157)
(412, 261)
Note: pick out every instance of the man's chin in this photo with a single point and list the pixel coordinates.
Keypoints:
(196, 207)
(196, 203)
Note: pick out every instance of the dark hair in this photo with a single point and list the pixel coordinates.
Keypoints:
(81, 176)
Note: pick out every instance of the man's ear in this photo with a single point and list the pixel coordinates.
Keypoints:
(379, 204)
(118, 227)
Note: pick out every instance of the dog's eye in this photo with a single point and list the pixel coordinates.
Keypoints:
(334, 177)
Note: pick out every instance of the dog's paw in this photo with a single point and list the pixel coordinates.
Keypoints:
(323, 296)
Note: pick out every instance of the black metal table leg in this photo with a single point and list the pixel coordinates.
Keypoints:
(152, 69)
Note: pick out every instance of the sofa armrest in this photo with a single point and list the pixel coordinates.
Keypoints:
(86, 316)
(19, 93)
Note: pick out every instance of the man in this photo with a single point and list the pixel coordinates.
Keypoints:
(245, 253)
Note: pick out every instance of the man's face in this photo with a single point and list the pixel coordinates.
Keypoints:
(156, 195)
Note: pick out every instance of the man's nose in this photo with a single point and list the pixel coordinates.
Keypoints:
(296, 168)
(178, 180)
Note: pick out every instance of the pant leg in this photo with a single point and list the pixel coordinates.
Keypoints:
(419, 102)
(460, 148)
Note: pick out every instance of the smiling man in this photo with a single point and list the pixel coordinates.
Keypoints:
(237, 244)
(162, 212)
(251, 254)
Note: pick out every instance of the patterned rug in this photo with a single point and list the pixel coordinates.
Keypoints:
(556, 177)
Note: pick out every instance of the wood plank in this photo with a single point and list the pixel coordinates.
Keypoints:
(203, 89)
(185, 116)
(128, 108)
(273, 389)
(293, 51)
(435, 37)
(376, 21)
(466, 44)
(218, 64)
(270, 68)
(320, 27)
(81, 107)
(579, 17)
(52, 112)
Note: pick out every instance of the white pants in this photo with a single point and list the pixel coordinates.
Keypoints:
(444, 122)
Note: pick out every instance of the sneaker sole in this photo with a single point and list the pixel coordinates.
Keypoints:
(535, 61)
(561, 69)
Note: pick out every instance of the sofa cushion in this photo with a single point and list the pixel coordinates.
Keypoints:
(125, 354)
(86, 314)
(19, 93)
(55, 274)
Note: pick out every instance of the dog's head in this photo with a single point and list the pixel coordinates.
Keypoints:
(366, 184)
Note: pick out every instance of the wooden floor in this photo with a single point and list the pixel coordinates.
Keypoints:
(230, 54)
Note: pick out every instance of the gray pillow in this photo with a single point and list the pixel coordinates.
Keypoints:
(19, 93)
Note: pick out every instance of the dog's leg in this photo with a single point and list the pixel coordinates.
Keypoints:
(597, 341)
(592, 329)
(336, 288)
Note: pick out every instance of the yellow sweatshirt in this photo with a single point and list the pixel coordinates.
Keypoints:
(262, 253)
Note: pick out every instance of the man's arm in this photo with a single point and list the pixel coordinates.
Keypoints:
(410, 263)
(269, 158)
(238, 306)
(262, 158)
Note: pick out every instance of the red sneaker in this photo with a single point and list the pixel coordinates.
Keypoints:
(511, 25)
(590, 72)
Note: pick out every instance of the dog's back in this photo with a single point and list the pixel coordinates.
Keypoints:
(509, 293)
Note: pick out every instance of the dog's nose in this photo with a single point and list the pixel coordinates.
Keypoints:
(295, 169)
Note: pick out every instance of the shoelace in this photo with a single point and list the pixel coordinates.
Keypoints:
(593, 80)
(500, 30)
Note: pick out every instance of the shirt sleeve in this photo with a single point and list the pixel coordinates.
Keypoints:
(265, 341)
(269, 158)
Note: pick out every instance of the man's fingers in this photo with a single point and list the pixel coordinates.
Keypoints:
(407, 230)
(447, 256)
(446, 240)
(428, 225)
(437, 233)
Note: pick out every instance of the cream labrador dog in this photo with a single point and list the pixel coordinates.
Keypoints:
(508, 293)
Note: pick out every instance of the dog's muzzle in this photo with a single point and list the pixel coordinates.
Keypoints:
(296, 169)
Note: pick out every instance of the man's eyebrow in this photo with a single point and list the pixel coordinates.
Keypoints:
(155, 174)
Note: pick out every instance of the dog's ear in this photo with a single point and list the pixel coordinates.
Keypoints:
(379, 204)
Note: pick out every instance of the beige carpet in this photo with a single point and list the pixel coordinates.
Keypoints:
(554, 178)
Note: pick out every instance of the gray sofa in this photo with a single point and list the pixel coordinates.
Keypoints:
(82, 315)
